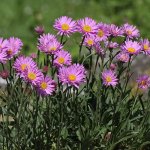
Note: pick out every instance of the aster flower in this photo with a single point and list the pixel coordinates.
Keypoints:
(13, 46)
(46, 86)
(98, 49)
(143, 82)
(145, 46)
(39, 30)
(87, 26)
(115, 30)
(3, 57)
(131, 47)
(109, 78)
(89, 41)
(73, 75)
(33, 75)
(4, 74)
(22, 63)
(123, 57)
(49, 44)
(103, 33)
(111, 44)
(65, 25)
(62, 58)
(130, 31)
(3, 44)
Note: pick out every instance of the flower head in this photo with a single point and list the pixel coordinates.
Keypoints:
(89, 41)
(103, 32)
(13, 46)
(130, 31)
(87, 26)
(32, 75)
(111, 44)
(39, 30)
(73, 75)
(46, 86)
(123, 57)
(98, 49)
(63, 58)
(143, 82)
(3, 57)
(3, 44)
(115, 30)
(22, 64)
(4, 74)
(145, 46)
(65, 25)
(109, 78)
(131, 47)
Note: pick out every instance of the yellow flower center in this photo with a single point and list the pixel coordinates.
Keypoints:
(146, 47)
(87, 28)
(9, 52)
(31, 75)
(72, 77)
(100, 33)
(61, 60)
(131, 50)
(23, 67)
(129, 32)
(43, 85)
(143, 82)
(52, 49)
(108, 79)
(90, 42)
(65, 27)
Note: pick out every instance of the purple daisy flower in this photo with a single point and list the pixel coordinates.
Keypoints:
(123, 57)
(115, 30)
(73, 75)
(32, 75)
(111, 44)
(145, 46)
(63, 58)
(89, 41)
(109, 78)
(3, 44)
(65, 25)
(98, 49)
(130, 31)
(143, 82)
(87, 26)
(49, 44)
(103, 33)
(3, 57)
(46, 86)
(13, 46)
(22, 63)
(131, 47)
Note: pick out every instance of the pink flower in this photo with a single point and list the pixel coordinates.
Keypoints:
(123, 57)
(103, 32)
(115, 30)
(3, 44)
(46, 86)
(4, 74)
(130, 31)
(89, 41)
(87, 26)
(131, 47)
(98, 49)
(143, 82)
(3, 57)
(109, 78)
(73, 75)
(32, 75)
(49, 44)
(145, 46)
(13, 46)
(39, 30)
(63, 58)
(22, 63)
(65, 25)
(111, 44)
